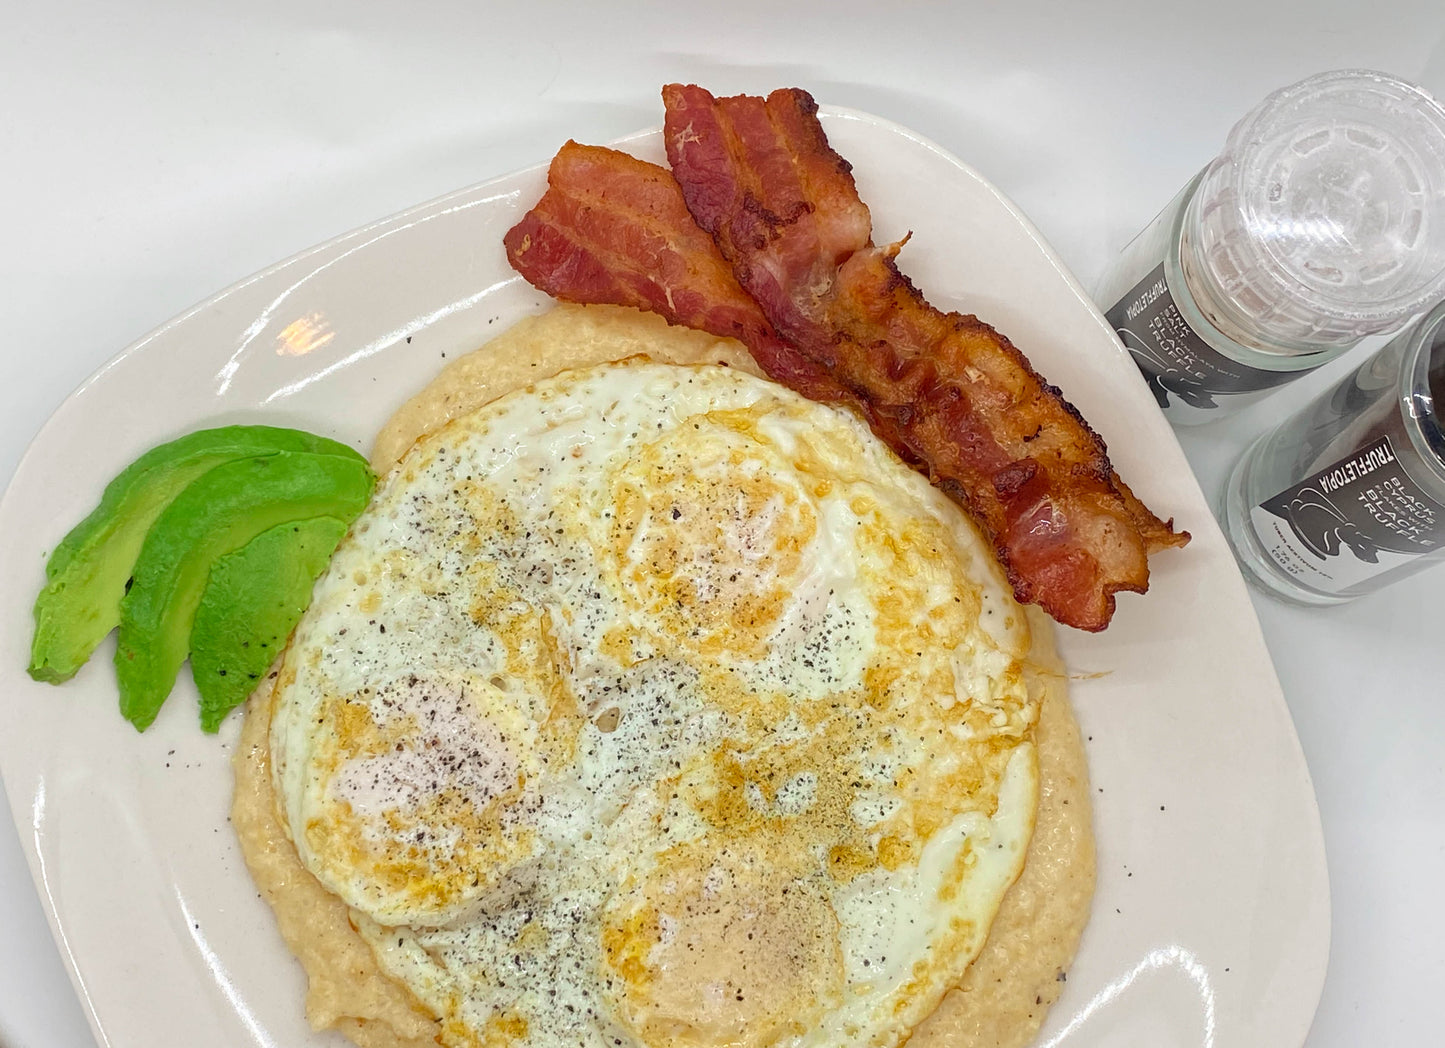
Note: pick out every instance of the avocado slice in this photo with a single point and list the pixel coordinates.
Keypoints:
(218, 512)
(252, 601)
(87, 573)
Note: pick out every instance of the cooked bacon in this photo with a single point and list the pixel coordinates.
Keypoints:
(947, 391)
(613, 229)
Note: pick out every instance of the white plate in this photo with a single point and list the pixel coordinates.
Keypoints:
(1211, 921)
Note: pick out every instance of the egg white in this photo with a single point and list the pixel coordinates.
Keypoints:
(656, 705)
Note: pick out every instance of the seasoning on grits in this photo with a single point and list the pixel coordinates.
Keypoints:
(651, 704)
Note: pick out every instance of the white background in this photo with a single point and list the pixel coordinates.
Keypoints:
(153, 153)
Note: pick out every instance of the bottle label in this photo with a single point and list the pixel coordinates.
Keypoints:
(1353, 520)
(1186, 374)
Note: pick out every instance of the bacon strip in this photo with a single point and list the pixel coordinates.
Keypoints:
(947, 391)
(613, 229)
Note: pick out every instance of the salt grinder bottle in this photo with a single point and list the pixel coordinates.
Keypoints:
(1349, 495)
(1321, 222)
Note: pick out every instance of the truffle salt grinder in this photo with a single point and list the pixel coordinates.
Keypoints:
(1321, 222)
(1348, 495)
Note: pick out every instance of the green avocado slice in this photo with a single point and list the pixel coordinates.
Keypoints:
(87, 573)
(252, 601)
(219, 512)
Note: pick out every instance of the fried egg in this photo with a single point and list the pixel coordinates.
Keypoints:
(656, 705)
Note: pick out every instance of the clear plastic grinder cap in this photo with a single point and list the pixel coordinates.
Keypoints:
(1323, 220)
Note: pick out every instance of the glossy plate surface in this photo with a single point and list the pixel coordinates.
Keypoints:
(1211, 920)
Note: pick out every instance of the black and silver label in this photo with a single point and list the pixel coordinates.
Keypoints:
(1185, 373)
(1355, 519)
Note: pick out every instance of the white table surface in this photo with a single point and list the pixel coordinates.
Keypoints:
(152, 153)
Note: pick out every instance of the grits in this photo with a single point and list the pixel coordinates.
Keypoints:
(1004, 994)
